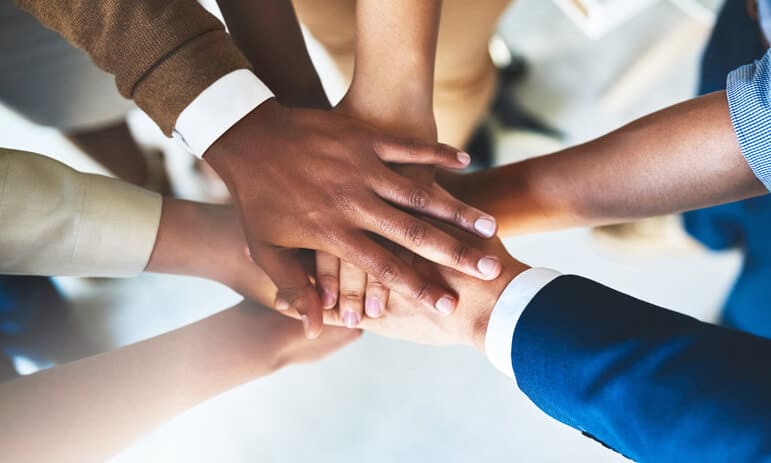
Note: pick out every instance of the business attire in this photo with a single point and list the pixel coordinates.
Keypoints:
(173, 58)
(57, 221)
(738, 37)
(649, 383)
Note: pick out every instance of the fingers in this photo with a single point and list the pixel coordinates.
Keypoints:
(414, 152)
(294, 288)
(375, 298)
(327, 278)
(395, 274)
(434, 202)
(352, 284)
(429, 242)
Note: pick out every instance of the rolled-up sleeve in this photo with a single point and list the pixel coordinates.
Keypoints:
(749, 102)
(58, 221)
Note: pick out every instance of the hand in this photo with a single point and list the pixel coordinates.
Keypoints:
(208, 241)
(318, 180)
(293, 347)
(341, 283)
(467, 326)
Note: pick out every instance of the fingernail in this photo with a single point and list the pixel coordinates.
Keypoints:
(489, 266)
(282, 304)
(464, 158)
(485, 226)
(328, 300)
(445, 305)
(350, 319)
(373, 307)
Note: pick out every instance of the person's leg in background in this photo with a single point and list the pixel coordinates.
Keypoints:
(465, 75)
(737, 40)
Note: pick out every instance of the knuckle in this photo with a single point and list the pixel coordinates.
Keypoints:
(351, 294)
(458, 215)
(386, 272)
(411, 148)
(327, 279)
(375, 285)
(415, 233)
(418, 198)
(422, 292)
(459, 254)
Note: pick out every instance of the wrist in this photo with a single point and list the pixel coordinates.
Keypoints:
(179, 245)
(255, 338)
(488, 300)
(220, 155)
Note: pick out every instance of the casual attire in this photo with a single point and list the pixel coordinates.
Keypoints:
(738, 38)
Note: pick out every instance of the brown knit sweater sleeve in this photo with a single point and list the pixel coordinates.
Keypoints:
(163, 53)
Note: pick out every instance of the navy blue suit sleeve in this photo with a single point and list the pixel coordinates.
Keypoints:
(653, 384)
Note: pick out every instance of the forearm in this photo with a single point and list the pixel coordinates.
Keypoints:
(639, 372)
(677, 159)
(90, 409)
(394, 75)
(270, 36)
(207, 241)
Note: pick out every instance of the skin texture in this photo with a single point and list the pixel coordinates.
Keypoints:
(287, 70)
(681, 158)
(403, 318)
(91, 409)
(392, 89)
(335, 188)
(296, 84)
(207, 241)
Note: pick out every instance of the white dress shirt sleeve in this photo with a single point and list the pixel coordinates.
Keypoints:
(218, 108)
(505, 315)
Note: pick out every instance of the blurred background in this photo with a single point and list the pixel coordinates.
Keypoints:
(571, 70)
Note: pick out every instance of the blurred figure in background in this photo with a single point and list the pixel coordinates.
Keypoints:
(738, 38)
(468, 87)
(51, 83)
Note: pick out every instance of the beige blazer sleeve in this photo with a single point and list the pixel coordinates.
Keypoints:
(55, 220)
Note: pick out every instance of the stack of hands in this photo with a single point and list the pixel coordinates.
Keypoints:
(412, 250)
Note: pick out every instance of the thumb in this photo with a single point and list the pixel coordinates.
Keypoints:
(285, 268)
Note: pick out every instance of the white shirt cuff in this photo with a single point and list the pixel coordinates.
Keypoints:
(505, 315)
(218, 108)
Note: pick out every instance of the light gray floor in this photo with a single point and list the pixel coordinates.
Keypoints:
(385, 401)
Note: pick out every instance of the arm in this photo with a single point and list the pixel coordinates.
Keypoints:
(393, 81)
(681, 158)
(163, 53)
(91, 409)
(646, 381)
(177, 62)
(393, 89)
(58, 221)
(287, 69)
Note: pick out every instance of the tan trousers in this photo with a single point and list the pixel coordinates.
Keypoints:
(465, 77)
